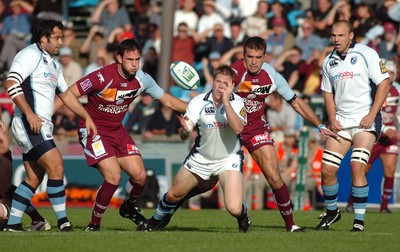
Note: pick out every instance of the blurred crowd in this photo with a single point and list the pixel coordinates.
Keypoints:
(206, 34)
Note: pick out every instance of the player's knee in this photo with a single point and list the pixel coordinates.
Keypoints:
(235, 209)
(174, 196)
(360, 155)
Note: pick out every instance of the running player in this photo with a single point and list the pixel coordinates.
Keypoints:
(110, 91)
(355, 84)
(386, 148)
(34, 79)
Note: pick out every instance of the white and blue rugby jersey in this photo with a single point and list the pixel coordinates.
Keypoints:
(39, 75)
(216, 139)
(354, 80)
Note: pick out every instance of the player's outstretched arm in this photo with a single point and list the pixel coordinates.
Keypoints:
(173, 103)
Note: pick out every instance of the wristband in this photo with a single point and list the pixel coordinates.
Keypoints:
(321, 126)
(185, 133)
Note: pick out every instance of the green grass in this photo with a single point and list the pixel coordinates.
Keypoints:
(209, 230)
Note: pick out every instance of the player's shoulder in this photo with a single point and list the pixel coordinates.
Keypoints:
(364, 50)
(31, 51)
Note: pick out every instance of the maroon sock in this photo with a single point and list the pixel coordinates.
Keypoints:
(285, 207)
(103, 198)
(350, 201)
(387, 192)
(134, 192)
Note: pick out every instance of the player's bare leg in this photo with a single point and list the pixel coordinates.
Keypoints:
(267, 159)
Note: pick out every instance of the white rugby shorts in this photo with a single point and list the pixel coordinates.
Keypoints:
(205, 168)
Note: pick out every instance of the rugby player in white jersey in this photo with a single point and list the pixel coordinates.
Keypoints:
(219, 116)
(34, 79)
(355, 84)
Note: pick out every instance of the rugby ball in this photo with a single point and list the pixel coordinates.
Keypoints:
(184, 75)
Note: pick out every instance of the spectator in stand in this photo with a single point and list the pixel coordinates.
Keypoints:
(280, 40)
(319, 20)
(154, 39)
(16, 33)
(138, 120)
(92, 43)
(364, 19)
(102, 58)
(141, 30)
(183, 45)
(280, 115)
(309, 41)
(237, 34)
(387, 47)
(186, 14)
(210, 64)
(256, 24)
(49, 9)
(110, 15)
(209, 19)
(288, 65)
(70, 40)
(277, 12)
(150, 63)
(341, 11)
(218, 42)
(65, 127)
(72, 70)
(164, 121)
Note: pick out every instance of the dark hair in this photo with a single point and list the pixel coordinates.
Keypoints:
(255, 43)
(225, 70)
(128, 45)
(45, 28)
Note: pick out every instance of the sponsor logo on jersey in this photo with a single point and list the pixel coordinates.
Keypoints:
(109, 94)
(124, 84)
(383, 67)
(215, 125)
(262, 138)
(113, 109)
(45, 61)
(252, 106)
(132, 149)
(126, 94)
(333, 63)
(50, 76)
(101, 77)
(343, 75)
(243, 112)
(85, 85)
(353, 60)
(256, 89)
(209, 110)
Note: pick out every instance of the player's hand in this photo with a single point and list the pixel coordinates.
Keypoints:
(91, 127)
(35, 123)
(186, 123)
(367, 121)
(335, 126)
(226, 91)
(325, 131)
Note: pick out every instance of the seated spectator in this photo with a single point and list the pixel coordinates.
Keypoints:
(186, 14)
(72, 70)
(102, 58)
(183, 45)
(150, 62)
(70, 40)
(209, 19)
(308, 42)
(110, 15)
(387, 46)
(364, 19)
(257, 24)
(163, 122)
(238, 36)
(280, 115)
(92, 43)
(16, 33)
(138, 120)
(280, 40)
(65, 128)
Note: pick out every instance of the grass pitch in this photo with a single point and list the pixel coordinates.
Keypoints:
(209, 230)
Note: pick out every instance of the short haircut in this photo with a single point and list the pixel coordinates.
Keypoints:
(45, 28)
(128, 45)
(345, 23)
(255, 43)
(225, 70)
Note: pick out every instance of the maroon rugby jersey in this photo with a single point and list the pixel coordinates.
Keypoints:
(255, 88)
(110, 94)
(389, 108)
